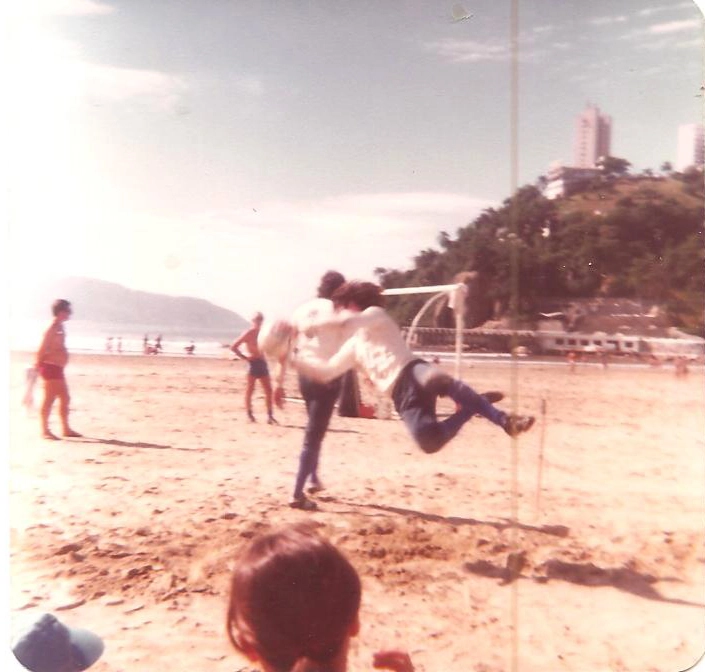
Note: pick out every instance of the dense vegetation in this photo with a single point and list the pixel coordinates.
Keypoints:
(619, 236)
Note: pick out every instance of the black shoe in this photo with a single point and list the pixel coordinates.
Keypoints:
(271, 420)
(516, 424)
(251, 417)
(493, 397)
(303, 503)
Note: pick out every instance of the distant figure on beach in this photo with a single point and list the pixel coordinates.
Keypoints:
(604, 358)
(52, 357)
(571, 358)
(148, 348)
(294, 606)
(190, 349)
(375, 345)
(119, 344)
(109, 344)
(319, 397)
(50, 646)
(681, 365)
(258, 367)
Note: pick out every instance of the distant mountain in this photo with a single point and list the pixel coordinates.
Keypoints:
(110, 304)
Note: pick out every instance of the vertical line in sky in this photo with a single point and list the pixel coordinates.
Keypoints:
(514, 243)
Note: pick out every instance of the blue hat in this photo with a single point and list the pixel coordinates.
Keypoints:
(51, 646)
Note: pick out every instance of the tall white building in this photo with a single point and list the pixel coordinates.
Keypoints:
(691, 150)
(593, 134)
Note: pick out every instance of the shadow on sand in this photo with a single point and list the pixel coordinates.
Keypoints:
(583, 574)
(555, 530)
(139, 444)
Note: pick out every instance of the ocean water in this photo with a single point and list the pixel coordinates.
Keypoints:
(95, 338)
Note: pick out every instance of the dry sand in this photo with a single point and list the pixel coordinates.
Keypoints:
(132, 530)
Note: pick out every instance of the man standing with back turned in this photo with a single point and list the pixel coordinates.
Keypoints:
(319, 397)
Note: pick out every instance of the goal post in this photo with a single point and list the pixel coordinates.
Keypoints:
(456, 297)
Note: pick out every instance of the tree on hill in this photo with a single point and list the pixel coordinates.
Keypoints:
(530, 250)
(611, 166)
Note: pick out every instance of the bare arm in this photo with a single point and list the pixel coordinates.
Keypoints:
(244, 338)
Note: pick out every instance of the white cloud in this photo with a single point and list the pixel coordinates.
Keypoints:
(607, 20)
(49, 74)
(469, 51)
(668, 33)
(649, 11)
(548, 28)
(675, 26)
(113, 84)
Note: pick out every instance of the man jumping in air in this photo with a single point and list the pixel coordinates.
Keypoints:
(375, 346)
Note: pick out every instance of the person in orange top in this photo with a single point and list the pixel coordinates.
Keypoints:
(52, 358)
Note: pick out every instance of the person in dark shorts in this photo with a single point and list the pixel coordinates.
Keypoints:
(258, 367)
(52, 357)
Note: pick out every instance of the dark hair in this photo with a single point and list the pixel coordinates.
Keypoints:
(293, 598)
(59, 305)
(329, 283)
(362, 294)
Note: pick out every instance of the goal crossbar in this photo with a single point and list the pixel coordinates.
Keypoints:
(431, 289)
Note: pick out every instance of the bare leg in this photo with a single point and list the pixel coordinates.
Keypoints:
(64, 404)
(249, 388)
(51, 392)
(267, 385)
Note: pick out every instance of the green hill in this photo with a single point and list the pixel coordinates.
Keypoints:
(627, 237)
(639, 190)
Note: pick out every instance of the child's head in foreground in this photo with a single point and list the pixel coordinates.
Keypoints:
(294, 602)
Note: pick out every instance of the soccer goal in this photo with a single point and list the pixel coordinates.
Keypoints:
(456, 298)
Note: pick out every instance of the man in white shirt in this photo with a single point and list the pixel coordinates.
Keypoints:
(320, 397)
(376, 346)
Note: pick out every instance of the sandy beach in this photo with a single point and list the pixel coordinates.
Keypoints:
(132, 530)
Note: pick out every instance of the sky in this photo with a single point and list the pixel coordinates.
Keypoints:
(234, 150)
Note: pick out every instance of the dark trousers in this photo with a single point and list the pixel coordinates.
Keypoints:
(320, 400)
(416, 406)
